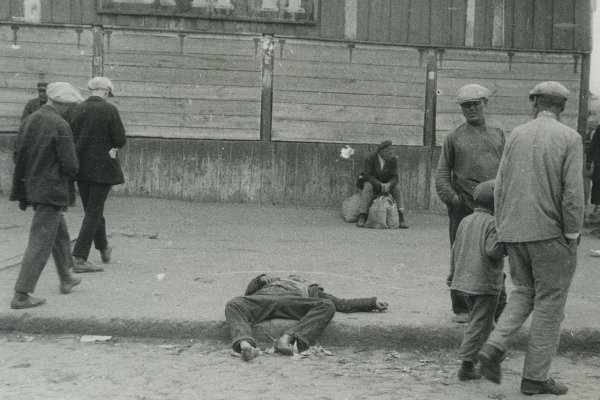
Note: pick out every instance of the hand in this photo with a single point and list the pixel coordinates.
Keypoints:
(574, 242)
(112, 153)
(23, 204)
(449, 280)
(381, 306)
(456, 202)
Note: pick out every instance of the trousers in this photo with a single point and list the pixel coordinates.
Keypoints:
(93, 228)
(313, 315)
(482, 308)
(48, 235)
(368, 194)
(541, 272)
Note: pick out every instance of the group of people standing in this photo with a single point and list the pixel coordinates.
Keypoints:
(63, 139)
(519, 195)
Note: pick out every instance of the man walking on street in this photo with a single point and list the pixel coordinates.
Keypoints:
(470, 155)
(98, 133)
(45, 162)
(539, 213)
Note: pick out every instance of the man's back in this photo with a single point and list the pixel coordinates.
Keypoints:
(539, 187)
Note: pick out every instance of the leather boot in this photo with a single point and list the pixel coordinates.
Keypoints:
(401, 220)
(362, 219)
(490, 358)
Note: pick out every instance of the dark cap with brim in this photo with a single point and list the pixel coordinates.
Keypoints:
(42, 85)
(383, 145)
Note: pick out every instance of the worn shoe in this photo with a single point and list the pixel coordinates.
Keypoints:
(67, 285)
(248, 353)
(105, 254)
(461, 318)
(490, 358)
(81, 265)
(401, 220)
(468, 373)
(283, 347)
(362, 219)
(529, 387)
(27, 302)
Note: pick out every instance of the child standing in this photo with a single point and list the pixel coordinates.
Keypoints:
(476, 271)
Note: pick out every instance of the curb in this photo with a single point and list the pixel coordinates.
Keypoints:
(427, 337)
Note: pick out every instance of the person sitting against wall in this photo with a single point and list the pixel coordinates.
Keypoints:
(381, 177)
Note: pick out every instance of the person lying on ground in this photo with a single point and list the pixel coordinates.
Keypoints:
(268, 297)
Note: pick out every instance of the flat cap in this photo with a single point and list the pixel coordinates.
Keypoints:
(100, 82)
(384, 144)
(471, 92)
(549, 88)
(42, 85)
(63, 92)
(484, 193)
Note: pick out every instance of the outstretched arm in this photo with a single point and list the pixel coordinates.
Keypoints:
(355, 305)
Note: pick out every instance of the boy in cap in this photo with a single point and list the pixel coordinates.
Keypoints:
(381, 177)
(539, 215)
(476, 271)
(98, 133)
(45, 163)
(470, 155)
(34, 104)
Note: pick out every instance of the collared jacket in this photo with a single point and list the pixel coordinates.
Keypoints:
(296, 286)
(97, 128)
(45, 160)
(32, 106)
(376, 175)
(539, 188)
(476, 264)
(470, 155)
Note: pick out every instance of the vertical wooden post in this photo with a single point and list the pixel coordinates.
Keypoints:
(584, 95)
(266, 100)
(97, 50)
(429, 121)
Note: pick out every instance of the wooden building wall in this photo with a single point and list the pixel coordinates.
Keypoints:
(519, 24)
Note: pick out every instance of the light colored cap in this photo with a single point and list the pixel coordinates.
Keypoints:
(63, 92)
(549, 88)
(100, 82)
(472, 92)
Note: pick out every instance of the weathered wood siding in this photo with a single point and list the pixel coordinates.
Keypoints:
(308, 174)
(39, 54)
(520, 24)
(171, 85)
(333, 92)
(509, 81)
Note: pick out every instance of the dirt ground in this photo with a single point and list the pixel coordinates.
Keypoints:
(62, 367)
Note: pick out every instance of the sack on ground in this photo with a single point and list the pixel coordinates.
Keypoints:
(383, 214)
(350, 208)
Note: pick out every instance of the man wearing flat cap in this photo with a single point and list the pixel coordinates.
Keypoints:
(470, 155)
(34, 104)
(98, 133)
(45, 163)
(539, 214)
(381, 177)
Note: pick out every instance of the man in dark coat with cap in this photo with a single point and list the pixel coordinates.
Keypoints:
(34, 104)
(98, 133)
(45, 163)
(381, 177)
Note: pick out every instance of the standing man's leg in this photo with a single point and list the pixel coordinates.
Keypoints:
(63, 259)
(399, 199)
(42, 235)
(455, 215)
(367, 194)
(93, 197)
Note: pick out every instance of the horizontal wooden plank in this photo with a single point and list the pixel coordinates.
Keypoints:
(192, 133)
(166, 60)
(190, 120)
(27, 80)
(33, 65)
(188, 106)
(174, 75)
(370, 115)
(348, 71)
(449, 85)
(200, 90)
(342, 99)
(345, 132)
(47, 52)
(500, 56)
(554, 69)
(526, 75)
(393, 56)
(303, 51)
(350, 86)
(36, 34)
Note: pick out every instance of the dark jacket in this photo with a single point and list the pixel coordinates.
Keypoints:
(32, 106)
(45, 159)
(257, 287)
(97, 128)
(376, 175)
